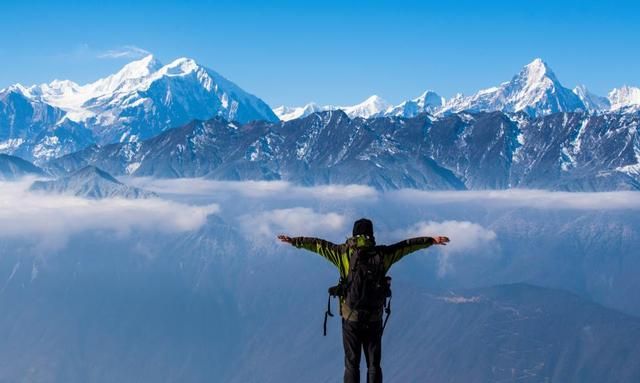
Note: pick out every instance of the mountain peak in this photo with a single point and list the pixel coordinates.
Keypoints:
(286, 113)
(373, 99)
(139, 68)
(147, 87)
(17, 88)
(536, 71)
(180, 66)
(537, 63)
(535, 90)
(429, 101)
(126, 78)
(429, 98)
(373, 106)
(425, 94)
(91, 171)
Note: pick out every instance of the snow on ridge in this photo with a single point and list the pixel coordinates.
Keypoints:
(535, 90)
(286, 113)
(625, 96)
(592, 102)
(373, 106)
(122, 89)
(179, 67)
(429, 101)
(72, 98)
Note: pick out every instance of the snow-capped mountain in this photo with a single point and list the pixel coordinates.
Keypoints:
(428, 102)
(286, 113)
(146, 97)
(12, 168)
(626, 98)
(90, 182)
(374, 106)
(84, 102)
(141, 100)
(535, 91)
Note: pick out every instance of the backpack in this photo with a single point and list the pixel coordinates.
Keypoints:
(366, 289)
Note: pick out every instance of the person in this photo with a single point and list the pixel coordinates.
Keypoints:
(361, 328)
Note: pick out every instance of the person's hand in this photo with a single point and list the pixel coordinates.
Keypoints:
(285, 238)
(440, 241)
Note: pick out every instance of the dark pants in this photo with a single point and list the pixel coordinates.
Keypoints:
(357, 336)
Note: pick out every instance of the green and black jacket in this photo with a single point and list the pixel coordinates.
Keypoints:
(339, 255)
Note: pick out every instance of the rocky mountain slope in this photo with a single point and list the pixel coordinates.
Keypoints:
(12, 168)
(562, 151)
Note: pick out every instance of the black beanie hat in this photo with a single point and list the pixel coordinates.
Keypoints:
(363, 226)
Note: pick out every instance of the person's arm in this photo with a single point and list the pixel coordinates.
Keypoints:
(397, 251)
(326, 249)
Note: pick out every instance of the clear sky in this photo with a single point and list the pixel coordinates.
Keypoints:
(331, 52)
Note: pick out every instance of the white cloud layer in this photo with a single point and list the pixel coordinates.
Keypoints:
(465, 237)
(253, 189)
(539, 199)
(293, 221)
(263, 209)
(52, 219)
(282, 190)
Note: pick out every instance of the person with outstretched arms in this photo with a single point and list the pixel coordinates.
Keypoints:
(364, 290)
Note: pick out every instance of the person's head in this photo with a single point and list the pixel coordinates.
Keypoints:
(363, 227)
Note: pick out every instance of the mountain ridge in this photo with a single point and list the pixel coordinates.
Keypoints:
(535, 90)
(12, 168)
(484, 150)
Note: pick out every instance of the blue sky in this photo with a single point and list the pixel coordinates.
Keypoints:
(335, 52)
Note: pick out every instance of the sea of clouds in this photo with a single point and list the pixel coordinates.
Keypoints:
(263, 209)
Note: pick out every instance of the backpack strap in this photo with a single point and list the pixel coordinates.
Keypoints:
(334, 291)
(387, 310)
(327, 314)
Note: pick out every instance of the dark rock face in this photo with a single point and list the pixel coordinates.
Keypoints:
(487, 150)
(580, 152)
(478, 148)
